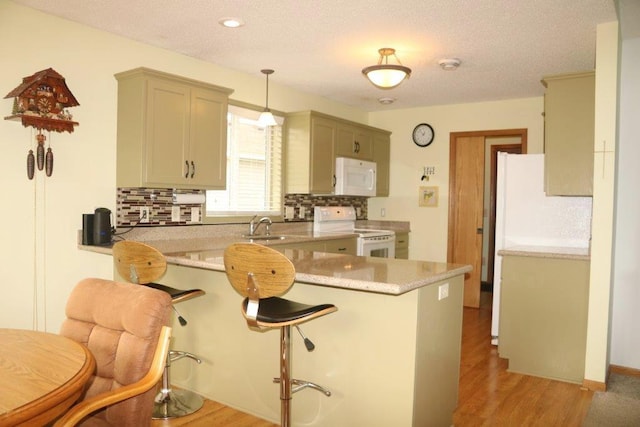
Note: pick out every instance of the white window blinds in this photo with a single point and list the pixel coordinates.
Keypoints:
(254, 168)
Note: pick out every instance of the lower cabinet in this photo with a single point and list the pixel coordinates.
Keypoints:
(543, 316)
(347, 246)
(402, 245)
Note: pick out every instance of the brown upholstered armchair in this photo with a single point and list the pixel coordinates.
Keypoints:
(121, 324)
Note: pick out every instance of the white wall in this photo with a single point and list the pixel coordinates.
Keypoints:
(625, 340)
(428, 238)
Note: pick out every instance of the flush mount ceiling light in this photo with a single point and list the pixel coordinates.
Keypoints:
(385, 75)
(266, 117)
(449, 64)
(231, 22)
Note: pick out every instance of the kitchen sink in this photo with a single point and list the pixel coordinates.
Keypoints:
(263, 237)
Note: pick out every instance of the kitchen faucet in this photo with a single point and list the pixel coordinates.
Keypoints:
(253, 226)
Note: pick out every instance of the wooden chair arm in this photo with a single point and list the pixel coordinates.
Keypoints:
(151, 378)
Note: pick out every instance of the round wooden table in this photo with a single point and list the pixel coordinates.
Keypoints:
(41, 375)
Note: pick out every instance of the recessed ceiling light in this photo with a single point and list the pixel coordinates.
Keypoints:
(449, 64)
(231, 22)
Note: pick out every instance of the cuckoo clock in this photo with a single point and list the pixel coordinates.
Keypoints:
(42, 101)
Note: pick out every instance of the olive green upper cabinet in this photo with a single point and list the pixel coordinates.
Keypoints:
(381, 155)
(314, 140)
(172, 131)
(354, 141)
(569, 111)
(311, 140)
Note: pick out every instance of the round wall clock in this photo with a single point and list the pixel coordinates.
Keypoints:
(423, 135)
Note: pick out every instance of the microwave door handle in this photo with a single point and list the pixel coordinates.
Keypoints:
(372, 173)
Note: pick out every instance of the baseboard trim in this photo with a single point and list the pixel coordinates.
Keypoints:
(613, 369)
(594, 385)
(623, 370)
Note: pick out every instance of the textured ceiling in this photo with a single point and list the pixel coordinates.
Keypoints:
(320, 46)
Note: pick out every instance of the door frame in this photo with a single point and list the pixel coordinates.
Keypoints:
(453, 136)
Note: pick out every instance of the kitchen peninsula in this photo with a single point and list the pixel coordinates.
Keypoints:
(390, 355)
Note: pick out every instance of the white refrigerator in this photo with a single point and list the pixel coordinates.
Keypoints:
(526, 216)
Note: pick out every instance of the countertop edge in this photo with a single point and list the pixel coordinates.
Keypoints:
(216, 264)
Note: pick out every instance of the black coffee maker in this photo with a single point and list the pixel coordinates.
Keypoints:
(96, 227)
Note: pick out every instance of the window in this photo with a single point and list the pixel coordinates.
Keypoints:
(254, 168)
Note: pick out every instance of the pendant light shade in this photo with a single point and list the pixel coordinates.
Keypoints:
(266, 117)
(385, 75)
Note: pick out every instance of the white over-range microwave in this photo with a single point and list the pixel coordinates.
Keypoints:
(355, 177)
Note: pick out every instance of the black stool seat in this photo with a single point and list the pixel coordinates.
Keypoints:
(281, 311)
(177, 295)
(262, 274)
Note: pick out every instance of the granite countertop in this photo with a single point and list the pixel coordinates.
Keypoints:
(379, 275)
(559, 252)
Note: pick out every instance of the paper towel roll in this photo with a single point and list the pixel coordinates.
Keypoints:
(188, 199)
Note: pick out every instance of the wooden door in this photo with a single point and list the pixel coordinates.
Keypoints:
(467, 195)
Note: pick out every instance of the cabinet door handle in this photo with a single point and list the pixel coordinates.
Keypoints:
(186, 174)
(193, 169)
(478, 230)
(342, 249)
(357, 150)
(334, 180)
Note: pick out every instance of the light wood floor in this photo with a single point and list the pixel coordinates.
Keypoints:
(491, 396)
(488, 395)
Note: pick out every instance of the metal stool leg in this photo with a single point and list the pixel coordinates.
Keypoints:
(285, 376)
(171, 403)
(285, 380)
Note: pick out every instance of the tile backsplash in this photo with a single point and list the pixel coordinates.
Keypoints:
(297, 207)
(160, 202)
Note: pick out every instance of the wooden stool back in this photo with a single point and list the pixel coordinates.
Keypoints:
(272, 272)
(138, 262)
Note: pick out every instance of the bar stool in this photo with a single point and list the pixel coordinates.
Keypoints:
(142, 264)
(261, 274)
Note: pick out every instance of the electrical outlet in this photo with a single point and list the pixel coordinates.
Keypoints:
(195, 214)
(289, 212)
(443, 291)
(383, 212)
(302, 212)
(145, 214)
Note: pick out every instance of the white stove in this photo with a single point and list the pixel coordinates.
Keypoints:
(329, 220)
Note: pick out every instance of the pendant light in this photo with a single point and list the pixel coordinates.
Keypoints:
(385, 75)
(266, 117)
